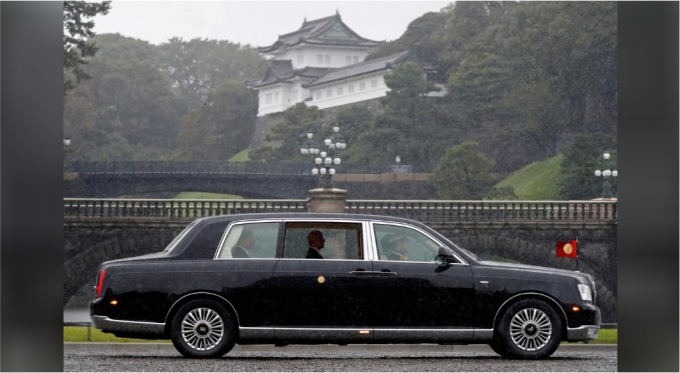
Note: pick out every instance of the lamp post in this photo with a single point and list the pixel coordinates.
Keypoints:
(606, 173)
(326, 159)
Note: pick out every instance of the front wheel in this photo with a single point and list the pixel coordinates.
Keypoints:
(202, 329)
(529, 329)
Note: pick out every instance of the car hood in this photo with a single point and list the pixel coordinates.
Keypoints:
(537, 269)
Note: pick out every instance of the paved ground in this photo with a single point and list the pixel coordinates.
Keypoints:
(155, 357)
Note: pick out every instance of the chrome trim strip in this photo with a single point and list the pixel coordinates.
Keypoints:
(425, 334)
(583, 333)
(201, 292)
(105, 323)
(246, 333)
(399, 224)
(529, 293)
(483, 334)
(322, 333)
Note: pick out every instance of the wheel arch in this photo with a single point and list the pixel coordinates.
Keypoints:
(531, 295)
(200, 295)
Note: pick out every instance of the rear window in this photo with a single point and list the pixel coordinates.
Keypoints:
(205, 243)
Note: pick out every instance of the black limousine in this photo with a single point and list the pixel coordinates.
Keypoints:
(312, 278)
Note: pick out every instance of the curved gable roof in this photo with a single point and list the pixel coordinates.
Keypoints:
(323, 31)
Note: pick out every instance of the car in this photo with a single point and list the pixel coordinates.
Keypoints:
(322, 278)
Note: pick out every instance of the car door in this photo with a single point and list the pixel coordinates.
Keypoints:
(412, 289)
(323, 297)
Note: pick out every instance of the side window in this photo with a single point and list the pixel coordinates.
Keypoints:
(205, 241)
(404, 244)
(256, 240)
(337, 241)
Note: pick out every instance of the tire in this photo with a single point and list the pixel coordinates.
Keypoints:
(497, 347)
(528, 329)
(202, 328)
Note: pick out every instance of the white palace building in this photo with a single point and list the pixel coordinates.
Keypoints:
(321, 64)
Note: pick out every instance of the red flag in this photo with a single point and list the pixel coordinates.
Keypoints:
(567, 249)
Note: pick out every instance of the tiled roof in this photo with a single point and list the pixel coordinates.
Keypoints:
(314, 32)
(359, 69)
(282, 71)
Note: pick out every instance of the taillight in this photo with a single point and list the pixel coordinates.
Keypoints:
(100, 282)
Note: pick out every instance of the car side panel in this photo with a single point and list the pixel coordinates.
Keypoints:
(147, 292)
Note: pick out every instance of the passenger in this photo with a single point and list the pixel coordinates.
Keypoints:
(394, 247)
(316, 241)
(244, 244)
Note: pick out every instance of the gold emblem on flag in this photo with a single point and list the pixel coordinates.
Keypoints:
(321, 279)
(568, 249)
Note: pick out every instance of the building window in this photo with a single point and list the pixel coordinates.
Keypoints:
(276, 96)
(329, 93)
(301, 60)
(348, 61)
(362, 86)
(268, 98)
(356, 59)
(295, 96)
(318, 95)
(328, 60)
(339, 91)
(320, 59)
(374, 83)
(350, 88)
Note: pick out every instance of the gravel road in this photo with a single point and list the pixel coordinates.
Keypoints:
(337, 361)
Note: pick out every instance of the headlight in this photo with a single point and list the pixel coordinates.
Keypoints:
(585, 292)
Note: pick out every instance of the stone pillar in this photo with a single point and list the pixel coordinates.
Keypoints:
(326, 200)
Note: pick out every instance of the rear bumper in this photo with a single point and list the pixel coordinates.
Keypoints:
(110, 325)
(583, 333)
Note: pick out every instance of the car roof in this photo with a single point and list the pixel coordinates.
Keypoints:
(308, 215)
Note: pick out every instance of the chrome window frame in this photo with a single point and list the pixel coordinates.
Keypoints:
(231, 225)
(374, 242)
(331, 220)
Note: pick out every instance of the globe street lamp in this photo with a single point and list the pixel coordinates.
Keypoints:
(606, 173)
(326, 159)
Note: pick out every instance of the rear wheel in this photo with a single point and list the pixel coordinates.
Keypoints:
(529, 329)
(203, 329)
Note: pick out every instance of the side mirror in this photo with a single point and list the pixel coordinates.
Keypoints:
(445, 255)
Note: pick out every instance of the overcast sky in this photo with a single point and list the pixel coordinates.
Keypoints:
(257, 23)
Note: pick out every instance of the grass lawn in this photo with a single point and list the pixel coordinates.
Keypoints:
(79, 334)
(537, 181)
(203, 195)
(241, 156)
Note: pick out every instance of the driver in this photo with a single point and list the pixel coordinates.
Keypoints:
(395, 247)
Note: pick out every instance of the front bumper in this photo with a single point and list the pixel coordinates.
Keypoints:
(583, 333)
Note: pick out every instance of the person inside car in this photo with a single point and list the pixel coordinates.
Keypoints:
(395, 247)
(245, 242)
(316, 242)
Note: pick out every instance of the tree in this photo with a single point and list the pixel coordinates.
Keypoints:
(289, 135)
(76, 33)
(221, 127)
(463, 173)
(199, 66)
(581, 159)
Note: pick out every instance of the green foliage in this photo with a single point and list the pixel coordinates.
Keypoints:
(536, 181)
(199, 66)
(463, 173)
(77, 30)
(221, 127)
(290, 134)
(581, 159)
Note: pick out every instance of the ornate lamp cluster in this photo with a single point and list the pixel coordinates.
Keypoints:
(606, 173)
(324, 160)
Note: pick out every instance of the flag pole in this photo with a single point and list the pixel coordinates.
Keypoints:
(577, 250)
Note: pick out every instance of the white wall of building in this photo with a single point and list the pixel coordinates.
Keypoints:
(348, 91)
(330, 57)
(277, 98)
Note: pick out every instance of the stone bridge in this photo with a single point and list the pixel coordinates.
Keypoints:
(247, 179)
(96, 230)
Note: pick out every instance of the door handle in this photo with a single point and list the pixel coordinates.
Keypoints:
(386, 273)
(360, 272)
